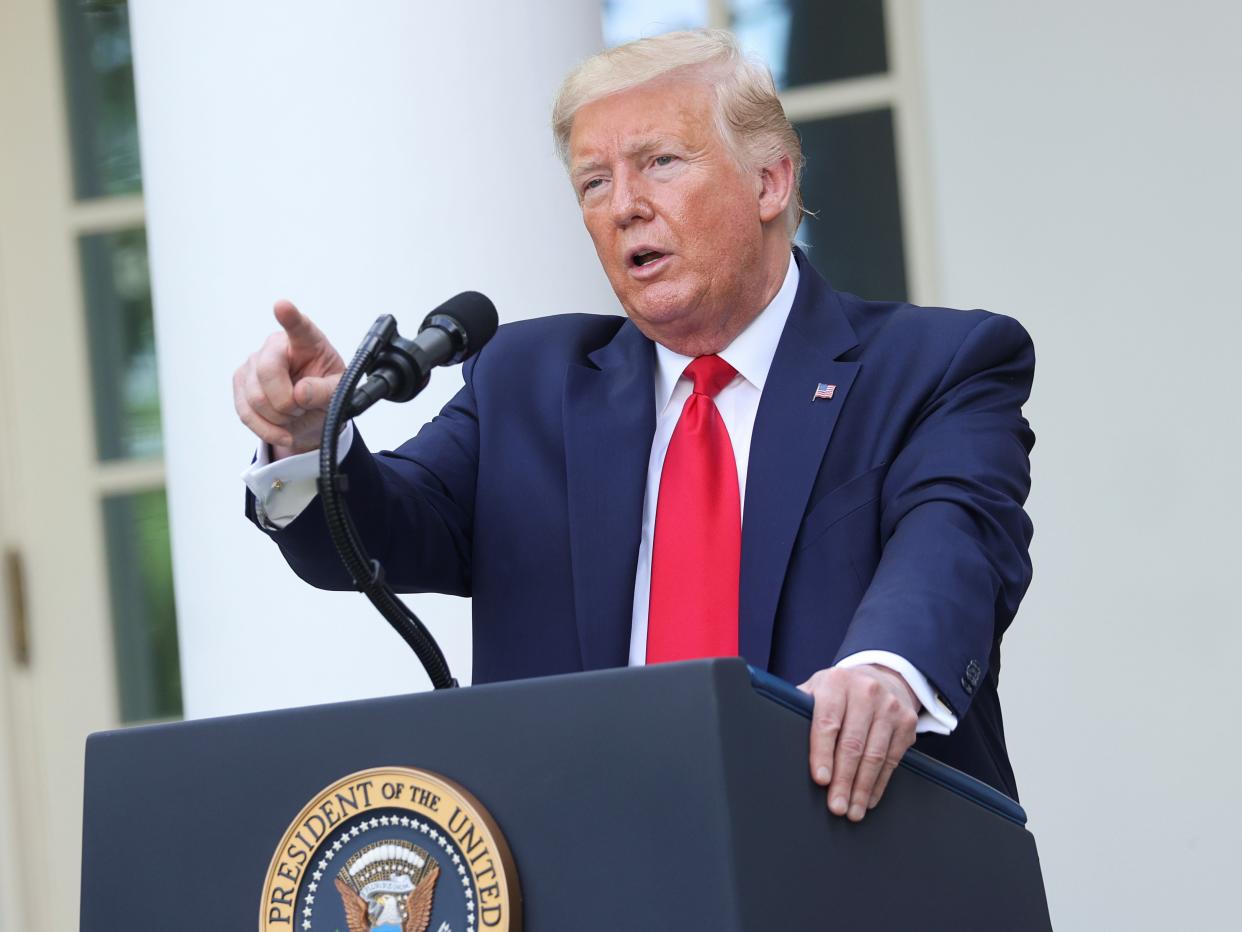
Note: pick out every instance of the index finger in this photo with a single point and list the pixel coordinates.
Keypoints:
(304, 336)
(826, 721)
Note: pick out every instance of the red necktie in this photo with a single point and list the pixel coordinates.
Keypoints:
(698, 531)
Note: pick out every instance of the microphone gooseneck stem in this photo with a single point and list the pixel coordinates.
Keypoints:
(366, 573)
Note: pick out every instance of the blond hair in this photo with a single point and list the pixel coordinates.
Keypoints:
(748, 113)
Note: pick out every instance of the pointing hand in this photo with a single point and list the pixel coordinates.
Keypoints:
(282, 391)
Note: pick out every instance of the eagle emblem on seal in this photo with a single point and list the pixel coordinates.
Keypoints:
(388, 886)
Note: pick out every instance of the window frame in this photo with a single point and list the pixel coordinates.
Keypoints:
(899, 90)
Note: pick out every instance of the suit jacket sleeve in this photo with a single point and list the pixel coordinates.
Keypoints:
(413, 507)
(954, 563)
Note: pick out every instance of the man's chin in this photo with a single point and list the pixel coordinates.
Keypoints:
(681, 328)
(659, 318)
(660, 303)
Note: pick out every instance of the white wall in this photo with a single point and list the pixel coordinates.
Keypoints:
(358, 159)
(1087, 168)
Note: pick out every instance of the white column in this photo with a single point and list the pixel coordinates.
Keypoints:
(358, 159)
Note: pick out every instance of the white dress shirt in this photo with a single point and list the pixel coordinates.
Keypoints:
(283, 488)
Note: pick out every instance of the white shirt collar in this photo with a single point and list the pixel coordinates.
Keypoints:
(751, 351)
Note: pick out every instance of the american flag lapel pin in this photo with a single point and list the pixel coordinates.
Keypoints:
(823, 390)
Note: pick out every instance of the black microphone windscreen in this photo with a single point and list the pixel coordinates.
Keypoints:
(475, 314)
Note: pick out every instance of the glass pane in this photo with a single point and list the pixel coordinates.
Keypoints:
(99, 77)
(626, 20)
(810, 41)
(143, 615)
(850, 185)
(122, 344)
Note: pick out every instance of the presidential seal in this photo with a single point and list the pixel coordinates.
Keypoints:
(392, 850)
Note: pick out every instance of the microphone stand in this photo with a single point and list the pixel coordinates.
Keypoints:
(366, 573)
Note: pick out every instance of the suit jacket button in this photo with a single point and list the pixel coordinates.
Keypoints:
(974, 673)
(968, 687)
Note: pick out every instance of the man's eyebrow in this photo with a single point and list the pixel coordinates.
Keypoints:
(638, 147)
(583, 168)
(645, 145)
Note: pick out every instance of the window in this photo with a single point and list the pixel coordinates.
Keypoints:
(107, 220)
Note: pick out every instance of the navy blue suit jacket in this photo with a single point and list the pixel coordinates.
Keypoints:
(889, 517)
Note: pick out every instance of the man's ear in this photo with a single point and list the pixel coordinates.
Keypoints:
(775, 188)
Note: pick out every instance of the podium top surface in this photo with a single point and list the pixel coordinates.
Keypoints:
(765, 684)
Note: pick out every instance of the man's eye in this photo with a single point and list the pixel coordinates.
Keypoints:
(664, 159)
(592, 184)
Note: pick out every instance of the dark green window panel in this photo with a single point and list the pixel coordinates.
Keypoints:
(850, 184)
(99, 79)
(144, 618)
(122, 344)
(812, 41)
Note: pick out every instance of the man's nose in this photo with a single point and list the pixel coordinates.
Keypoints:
(629, 200)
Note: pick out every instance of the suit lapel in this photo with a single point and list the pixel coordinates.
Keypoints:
(791, 433)
(609, 415)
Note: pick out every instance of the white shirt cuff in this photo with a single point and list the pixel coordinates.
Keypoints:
(283, 489)
(935, 716)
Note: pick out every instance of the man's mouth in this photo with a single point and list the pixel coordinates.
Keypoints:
(643, 258)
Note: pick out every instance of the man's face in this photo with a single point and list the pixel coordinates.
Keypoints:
(675, 220)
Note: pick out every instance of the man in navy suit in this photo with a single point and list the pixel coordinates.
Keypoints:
(749, 461)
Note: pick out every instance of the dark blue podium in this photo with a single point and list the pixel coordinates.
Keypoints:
(669, 797)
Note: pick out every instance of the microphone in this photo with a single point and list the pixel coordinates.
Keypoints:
(450, 334)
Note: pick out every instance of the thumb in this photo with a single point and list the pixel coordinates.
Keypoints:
(314, 392)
